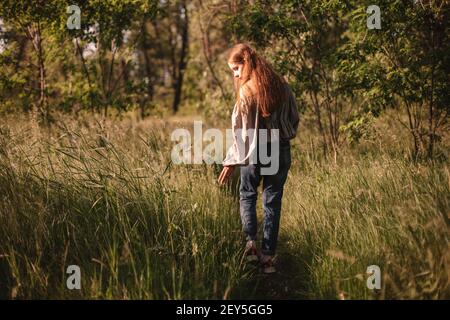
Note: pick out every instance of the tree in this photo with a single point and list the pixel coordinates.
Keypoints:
(412, 50)
(347, 73)
(35, 19)
(108, 25)
(179, 43)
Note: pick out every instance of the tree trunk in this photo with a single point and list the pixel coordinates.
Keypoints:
(148, 70)
(430, 118)
(316, 106)
(42, 75)
(178, 83)
(34, 33)
(413, 129)
(86, 72)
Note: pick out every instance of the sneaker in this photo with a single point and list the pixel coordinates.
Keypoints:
(251, 253)
(268, 264)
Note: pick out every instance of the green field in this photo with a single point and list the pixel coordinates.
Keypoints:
(105, 196)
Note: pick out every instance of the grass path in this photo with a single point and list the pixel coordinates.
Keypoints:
(289, 282)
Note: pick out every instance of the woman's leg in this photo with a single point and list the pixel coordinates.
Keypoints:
(273, 186)
(250, 179)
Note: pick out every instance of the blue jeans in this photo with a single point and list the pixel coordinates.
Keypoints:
(272, 194)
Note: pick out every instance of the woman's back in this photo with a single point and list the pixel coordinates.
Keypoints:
(285, 118)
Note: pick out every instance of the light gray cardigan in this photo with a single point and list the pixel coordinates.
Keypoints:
(246, 118)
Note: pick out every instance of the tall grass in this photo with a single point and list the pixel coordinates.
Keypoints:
(386, 212)
(105, 196)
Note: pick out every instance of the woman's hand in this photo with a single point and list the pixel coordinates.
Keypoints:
(225, 174)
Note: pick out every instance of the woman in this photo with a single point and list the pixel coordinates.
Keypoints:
(264, 101)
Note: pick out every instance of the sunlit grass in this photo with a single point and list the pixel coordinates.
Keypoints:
(106, 197)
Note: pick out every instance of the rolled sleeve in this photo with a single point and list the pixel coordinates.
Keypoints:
(244, 119)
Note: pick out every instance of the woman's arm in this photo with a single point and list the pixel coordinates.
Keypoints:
(242, 151)
(244, 128)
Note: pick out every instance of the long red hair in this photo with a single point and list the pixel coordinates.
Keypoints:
(269, 86)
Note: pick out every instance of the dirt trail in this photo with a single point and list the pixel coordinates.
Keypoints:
(289, 282)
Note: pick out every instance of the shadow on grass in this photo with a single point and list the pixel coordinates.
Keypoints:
(289, 282)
